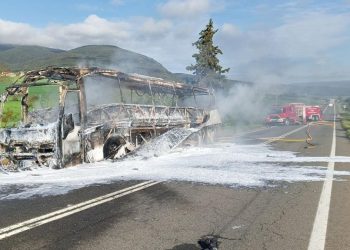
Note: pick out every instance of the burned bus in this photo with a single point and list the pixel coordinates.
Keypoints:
(60, 116)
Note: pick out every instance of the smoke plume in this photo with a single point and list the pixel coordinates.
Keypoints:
(247, 104)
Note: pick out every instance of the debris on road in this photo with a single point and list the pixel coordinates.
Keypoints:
(208, 242)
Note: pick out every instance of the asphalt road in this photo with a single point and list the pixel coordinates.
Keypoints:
(174, 215)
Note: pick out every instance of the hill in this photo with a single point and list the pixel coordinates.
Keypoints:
(23, 58)
(18, 58)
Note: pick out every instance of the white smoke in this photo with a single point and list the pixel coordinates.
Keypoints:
(247, 103)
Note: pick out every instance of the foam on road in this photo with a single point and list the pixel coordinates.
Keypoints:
(223, 163)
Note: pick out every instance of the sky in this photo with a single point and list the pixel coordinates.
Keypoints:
(271, 41)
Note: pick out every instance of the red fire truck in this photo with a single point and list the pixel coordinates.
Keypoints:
(293, 113)
(313, 113)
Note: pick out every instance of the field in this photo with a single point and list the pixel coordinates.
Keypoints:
(41, 97)
(11, 112)
(6, 81)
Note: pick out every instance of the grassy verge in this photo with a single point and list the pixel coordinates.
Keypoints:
(345, 122)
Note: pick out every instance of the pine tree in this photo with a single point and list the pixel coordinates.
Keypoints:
(207, 69)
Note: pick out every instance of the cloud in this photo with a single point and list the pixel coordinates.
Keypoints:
(185, 8)
(305, 36)
(230, 30)
(93, 30)
(302, 46)
(154, 27)
(21, 33)
(283, 50)
(157, 38)
(312, 34)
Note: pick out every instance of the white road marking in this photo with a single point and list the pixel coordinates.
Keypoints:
(226, 139)
(324, 110)
(35, 222)
(239, 135)
(284, 135)
(251, 132)
(319, 230)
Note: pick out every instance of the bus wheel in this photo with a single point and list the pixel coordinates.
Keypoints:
(112, 145)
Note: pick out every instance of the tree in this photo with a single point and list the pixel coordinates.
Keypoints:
(207, 69)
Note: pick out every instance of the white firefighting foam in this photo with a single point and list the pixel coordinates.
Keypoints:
(222, 163)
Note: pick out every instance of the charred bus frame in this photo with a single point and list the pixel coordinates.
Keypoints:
(92, 134)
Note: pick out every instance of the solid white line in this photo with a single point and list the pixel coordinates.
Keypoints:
(284, 135)
(70, 208)
(35, 222)
(319, 230)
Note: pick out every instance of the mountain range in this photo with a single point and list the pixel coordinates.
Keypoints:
(23, 58)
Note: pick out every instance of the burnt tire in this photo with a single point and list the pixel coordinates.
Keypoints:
(112, 145)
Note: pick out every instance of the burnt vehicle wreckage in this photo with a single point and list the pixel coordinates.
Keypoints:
(75, 115)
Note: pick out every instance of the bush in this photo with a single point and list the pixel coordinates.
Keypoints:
(345, 123)
(348, 133)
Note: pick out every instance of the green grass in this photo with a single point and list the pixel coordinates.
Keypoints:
(39, 97)
(345, 122)
(5, 81)
(43, 97)
(11, 114)
(3, 86)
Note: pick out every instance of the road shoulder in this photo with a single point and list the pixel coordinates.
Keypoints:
(338, 234)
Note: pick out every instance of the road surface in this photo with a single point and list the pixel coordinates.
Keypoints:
(174, 215)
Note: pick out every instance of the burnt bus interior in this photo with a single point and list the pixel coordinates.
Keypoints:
(75, 115)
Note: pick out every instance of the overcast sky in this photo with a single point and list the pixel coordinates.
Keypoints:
(262, 40)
